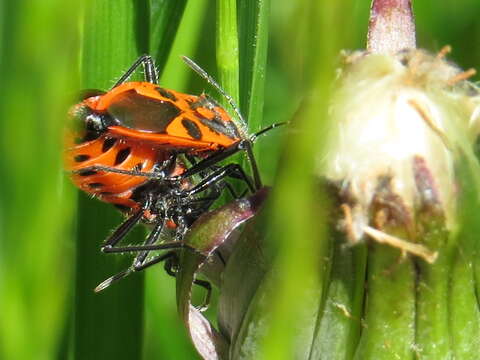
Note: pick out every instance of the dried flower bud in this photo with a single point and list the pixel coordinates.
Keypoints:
(395, 121)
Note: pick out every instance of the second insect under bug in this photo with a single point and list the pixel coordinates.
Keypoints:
(124, 148)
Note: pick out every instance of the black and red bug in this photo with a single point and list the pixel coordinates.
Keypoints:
(124, 146)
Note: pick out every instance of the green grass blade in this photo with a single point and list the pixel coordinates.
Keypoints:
(464, 307)
(165, 336)
(107, 325)
(165, 17)
(253, 26)
(433, 338)
(253, 35)
(227, 53)
(340, 324)
(298, 211)
(463, 303)
(115, 34)
(389, 315)
(176, 74)
(227, 48)
(37, 46)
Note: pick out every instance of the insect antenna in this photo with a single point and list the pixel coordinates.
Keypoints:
(259, 133)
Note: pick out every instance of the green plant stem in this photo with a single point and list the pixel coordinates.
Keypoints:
(360, 256)
(433, 335)
(165, 17)
(432, 324)
(38, 42)
(297, 209)
(112, 28)
(463, 308)
(227, 48)
(176, 74)
(340, 324)
(175, 30)
(254, 27)
(388, 329)
(464, 313)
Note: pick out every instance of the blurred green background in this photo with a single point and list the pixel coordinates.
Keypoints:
(50, 235)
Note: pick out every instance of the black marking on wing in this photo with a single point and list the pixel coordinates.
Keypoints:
(192, 129)
(86, 172)
(165, 93)
(81, 158)
(108, 144)
(122, 156)
(218, 126)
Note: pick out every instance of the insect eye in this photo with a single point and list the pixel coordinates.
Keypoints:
(84, 123)
(94, 122)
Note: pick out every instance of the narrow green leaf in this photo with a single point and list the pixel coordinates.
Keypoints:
(244, 272)
(165, 17)
(165, 334)
(340, 324)
(253, 26)
(388, 331)
(253, 39)
(176, 74)
(299, 213)
(464, 312)
(433, 338)
(463, 306)
(109, 324)
(227, 48)
(38, 45)
(114, 37)
(210, 233)
(360, 267)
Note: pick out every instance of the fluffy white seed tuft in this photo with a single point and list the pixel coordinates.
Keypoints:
(394, 122)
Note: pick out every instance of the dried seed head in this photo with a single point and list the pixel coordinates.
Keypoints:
(394, 123)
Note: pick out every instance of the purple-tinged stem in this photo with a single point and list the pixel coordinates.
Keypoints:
(391, 27)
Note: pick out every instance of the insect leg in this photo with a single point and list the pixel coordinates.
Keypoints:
(126, 226)
(211, 161)
(227, 185)
(123, 229)
(232, 191)
(170, 259)
(86, 170)
(152, 247)
(171, 265)
(121, 275)
(217, 176)
(208, 287)
(149, 68)
(152, 238)
(170, 268)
